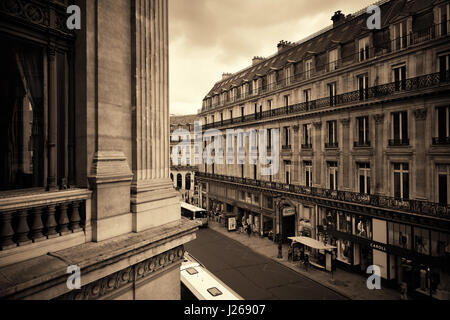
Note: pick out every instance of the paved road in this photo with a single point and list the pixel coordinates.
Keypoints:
(252, 275)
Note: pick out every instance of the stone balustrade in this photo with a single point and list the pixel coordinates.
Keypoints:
(30, 217)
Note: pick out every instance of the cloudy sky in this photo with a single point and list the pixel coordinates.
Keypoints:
(209, 37)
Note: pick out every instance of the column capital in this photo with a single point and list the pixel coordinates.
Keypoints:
(318, 124)
(345, 122)
(421, 113)
(379, 118)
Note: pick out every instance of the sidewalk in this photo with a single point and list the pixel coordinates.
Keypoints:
(350, 285)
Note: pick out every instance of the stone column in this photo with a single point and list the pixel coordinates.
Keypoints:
(52, 119)
(379, 142)
(420, 157)
(154, 201)
(345, 155)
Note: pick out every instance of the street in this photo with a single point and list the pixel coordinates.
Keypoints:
(252, 275)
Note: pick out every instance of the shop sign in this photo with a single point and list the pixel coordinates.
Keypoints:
(378, 246)
(231, 224)
(288, 212)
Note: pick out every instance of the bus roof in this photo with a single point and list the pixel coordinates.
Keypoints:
(190, 207)
(203, 283)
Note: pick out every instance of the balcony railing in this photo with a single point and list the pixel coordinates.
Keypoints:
(307, 146)
(286, 147)
(398, 142)
(361, 144)
(34, 217)
(331, 145)
(411, 206)
(376, 92)
(401, 43)
(441, 141)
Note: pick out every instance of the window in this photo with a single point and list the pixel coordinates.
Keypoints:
(444, 67)
(362, 131)
(422, 241)
(332, 92)
(287, 137)
(399, 129)
(333, 175)
(287, 167)
(363, 87)
(443, 18)
(399, 39)
(399, 235)
(269, 105)
(221, 118)
(308, 68)
(363, 227)
(400, 78)
(242, 113)
(269, 138)
(345, 222)
(331, 134)
(443, 171)
(250, 88)
(364, 178)
(307, 138)
(333, 59)
(286, 100)
(401, 180)
(264, 83)
(308, 173)
(242, 171)
(255, 172)
(231, 116)
(443, 126)
(307, 95)
(364, 49)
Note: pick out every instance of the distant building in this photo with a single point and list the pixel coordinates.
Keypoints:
(84, 155)
(183, 174)
(364, 118)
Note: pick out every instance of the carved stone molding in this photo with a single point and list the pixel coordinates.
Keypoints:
(379, 118)
(318, 124)
(116, 281)
(421, 114)
(345, 122)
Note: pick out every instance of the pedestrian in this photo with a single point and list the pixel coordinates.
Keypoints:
(404, 291)
(306, 262)
(249, 230)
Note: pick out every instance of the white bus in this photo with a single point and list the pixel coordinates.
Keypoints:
(194, 213)
(197, 283)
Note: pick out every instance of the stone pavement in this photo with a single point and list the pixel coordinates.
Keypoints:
(350, 285)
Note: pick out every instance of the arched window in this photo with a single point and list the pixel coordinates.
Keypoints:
(187, 183)
(179, 181)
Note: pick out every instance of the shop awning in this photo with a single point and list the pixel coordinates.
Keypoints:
(312, 243)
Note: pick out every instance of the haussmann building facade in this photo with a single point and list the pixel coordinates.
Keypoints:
(363, 117)
(84, 160)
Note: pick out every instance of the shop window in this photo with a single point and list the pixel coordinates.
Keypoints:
(399, 129)
(307, 136)
(440, 244)
(331, 220)
(345, 222)
(363, 87)
(344, 250)
(422, 241)
(399, 235)
(364, 227)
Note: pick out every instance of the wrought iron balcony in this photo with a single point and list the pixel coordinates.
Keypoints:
(398, 142)
(361, 144)
(411, 206)
(307, 146)
(286, 147)
(439, 141)
(331, 145)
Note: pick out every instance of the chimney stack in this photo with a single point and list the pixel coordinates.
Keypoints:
(282, 45)
(226, 75)
(257, 60)
(338, 18)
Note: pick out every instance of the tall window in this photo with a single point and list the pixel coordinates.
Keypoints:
(242, 171)
(364, 47)
(231, 116)
(332, 175)
(364, 178)
(401, 180)
(443, 171)
(269, 138)
(242, 113)
(399, 129)
(443, 126)
(308, 173)
(332, 141)
(362, 127)
(332, 92)
(443, 18)
(307, 138)
(399, 40)
(255, 172)
(287, 137)
(363, 87)
(269, 105)
(444, 67)
(308, 68)
(333, 59)
(287, 166)
(221, 118)
(286, 100)
(400, 78)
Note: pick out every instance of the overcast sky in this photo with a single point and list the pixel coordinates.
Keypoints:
(209, 37)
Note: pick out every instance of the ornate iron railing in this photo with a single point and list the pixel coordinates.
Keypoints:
(411, 206)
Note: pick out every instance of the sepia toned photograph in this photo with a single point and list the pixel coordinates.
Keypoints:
(235, 153)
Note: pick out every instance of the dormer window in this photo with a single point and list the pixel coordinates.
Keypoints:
(333, 59)
(364, 45)
(442, 19)
(308, 68)
(399, 36)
